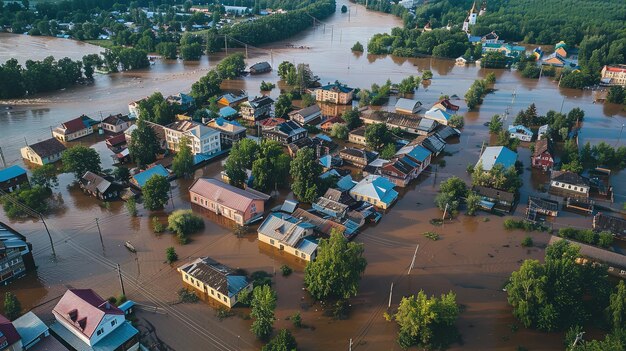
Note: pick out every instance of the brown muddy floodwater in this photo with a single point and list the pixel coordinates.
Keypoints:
(473, 258)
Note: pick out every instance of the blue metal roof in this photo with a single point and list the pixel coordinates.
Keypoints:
(326, 161)
(235, 284)
(494, 155)
(11, 172)
(227, 112)
(127, 305)
(30, 327)
(142, 178)
(308, 246)
(419, 153)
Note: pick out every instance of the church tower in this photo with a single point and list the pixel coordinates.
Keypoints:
(471, 18)
(483, 8)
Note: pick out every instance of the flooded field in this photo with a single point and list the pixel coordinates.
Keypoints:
(473, 258)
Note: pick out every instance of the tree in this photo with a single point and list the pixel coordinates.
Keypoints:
(131, 207)
(427, 321)
(271, 169)
(182, 164)
(456, 121)
(377, 136)
(34, 198)
(191, 52)
(12, 306)
(284, 68)
(167, 50)
(231, 66)
(155, 192)
(263, 306)
(305, 172)
(337, 269)
(206, 87)
(284, 341)
(282, 105)
(307, 100)
(427, 75)
(344, 9)
(454, 186)
(45, 176)
(183, 223)
(80, 159)
(616, 95)
(472, 202)
(267, 86)
(339, 131)
(352, 118)
(495, 125)
(170, 255)
(357, 47)
(241, 157)
(408, 85)
(388, 151)
(121, 174)
(143, 145)
(448, 203)
(617, 306)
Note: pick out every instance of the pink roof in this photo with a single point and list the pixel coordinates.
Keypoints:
(621, 69)
(272, 122)
(226, 194)
(84, 309)
(9, 332)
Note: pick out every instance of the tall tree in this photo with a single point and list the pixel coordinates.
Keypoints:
(617, 306)
(240, 159)
(155, 192)
(143, 145)
(282, 105)
(182, 164)
(231, 66)
(45, 176)
(337, 269)
(206, 87)
(305, 172)
(352, 118)
(284, 341)
(80, 159)
(377, 136)
(263, 306)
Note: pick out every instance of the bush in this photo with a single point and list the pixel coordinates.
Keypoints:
(357, 47)
(267, 86)
(588, 236)
(223, 313)
(296, 319)
(170, 255)
(527, 242)
(157, 226)
(432, 236)
(286, 270)
(131, 207)
(511, 224)
(261, 278)
(341, 309)
(245, 297)
(183, 223)
(187, 296)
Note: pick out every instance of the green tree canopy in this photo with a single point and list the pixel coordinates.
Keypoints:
(242, 155)
(80, 159)
(143, 145)
(305, 172)
(206, 87)
(155, 192)
(263, 306)
(352, 118)
(283, 341)
(377, 136)
(45, 176)
(231, 66)
(182, 164)
(337, 269)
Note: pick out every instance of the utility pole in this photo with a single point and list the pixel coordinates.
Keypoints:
(412, 263)
(4, 164)
(562, 103)
(444, 213)
(390, 292)
(100, 233)
(579, 337)
(171, 197)
(246, 51)
(350, 344)
(119, 274)
(226, 44)
(54, 254)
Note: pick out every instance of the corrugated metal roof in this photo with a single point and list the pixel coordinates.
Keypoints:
(142, 178)
(494, 155)
(376, 187)
(30, 327)
(408, 105)
(226, 194)
(11, 172)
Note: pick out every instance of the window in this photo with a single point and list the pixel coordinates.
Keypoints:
(272, 241)
(100, 331)
(113, 322)
(303, 255)
(225, 299)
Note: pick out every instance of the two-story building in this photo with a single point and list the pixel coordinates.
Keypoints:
(232, 100)
(214, 280)
(34, 334)
(241, 206)
(184, 101)
(408, 123)
(290, 235)
(542, 155)
(116, 123)
(357, 157)
(307, 115)
(521, 133)
(86, 321)
(43, 152)
(202, 139)
(77, 128)
(16, 254)
(12, 178)
(614, 75)
(285, 133)
(357, 136)
(230, 131)
(256, 109)
(335, 93)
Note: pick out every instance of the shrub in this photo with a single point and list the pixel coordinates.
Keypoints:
(171, 255)
(588, 236)
(157, 226)
(131, 207)
(286, 270)
(432, 236)
(296, 319)
(183, 223)
(341, 309)
(223, 313)
(187, 296)
(261, 278)
(527, 242)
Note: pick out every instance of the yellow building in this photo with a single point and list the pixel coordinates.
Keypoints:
(614, 75)
(289, 234)
(43, 152)
(334, 93)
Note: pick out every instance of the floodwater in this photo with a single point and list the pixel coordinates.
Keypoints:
(473, 258)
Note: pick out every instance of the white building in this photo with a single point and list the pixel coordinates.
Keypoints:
(204, 140)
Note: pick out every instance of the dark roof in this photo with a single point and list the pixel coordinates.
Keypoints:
(116, 140)
(73, 125)
(48, 147)
(542, 146)
(612, 224)
(354, 152)
(337, 88)
(9, 333)
(215, 275)
(95, 183)
(261, 66)
(492, 193)
(339, 196)
(402, 165)
(542, 203)
(289, 128)
(568, 177)
(359, 131)
(448, 105)
(396, 119)
(116, 119)
(433, 143)
(307, 111)
(261, 101)
(447, 132)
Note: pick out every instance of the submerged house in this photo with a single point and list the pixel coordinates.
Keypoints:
(497, 155)
(357, 157)
(520, 132)
(376, 190)
(408, 106)
(260, 67)
(214, 280)
(495, 199)
(408, 123)
(140, 179)
(285, 133)
(16, 254)
(542, 156)
(256, 109)
(241, 206)
(336, 93)
(74, 129)
(289, 234)
(307, 115)
(96, 185)
(43, 152)
(116, 123)
(569, 184)
(12, 178)
(232, 100)
(446, 105)
(438, 115)
(615, 225)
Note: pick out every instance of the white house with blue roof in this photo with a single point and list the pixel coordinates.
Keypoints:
(438, 115)
(214, 280)
(141, 178)
(376, 190)
(521, 133)
(289, 234)
(497, 155)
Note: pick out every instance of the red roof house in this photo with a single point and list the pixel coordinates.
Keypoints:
(9, 335)
(542, 156)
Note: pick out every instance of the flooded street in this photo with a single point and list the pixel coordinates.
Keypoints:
(473, 258)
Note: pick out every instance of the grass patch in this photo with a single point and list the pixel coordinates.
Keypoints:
(432, 236)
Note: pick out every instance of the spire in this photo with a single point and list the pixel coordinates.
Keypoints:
(473, 10)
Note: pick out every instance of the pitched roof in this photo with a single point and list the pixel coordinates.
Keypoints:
(84, 309)
(289, 128)
(29, 327)
(408, 104)
(337, 88)
(8, 331)
(520, 129)
(11, 172)
(307, 111)
(438, 114)
(285, 228)
(541, 146)
(493, 193)
(116, 140)
(615, 225)
(494, 155)
(321, 224)
(260, 101)
(47, 147)
(94, 182)
(226, 126)
(142, 177)
(447, 132)
(568, 177)
(227, 111)
(73, 125)
(231, 98)
(261, 66)
(216, 275)
(417, 152)
(271, 122)
(376, 187)
(116, 119)
(394, 119)
(226, 194)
